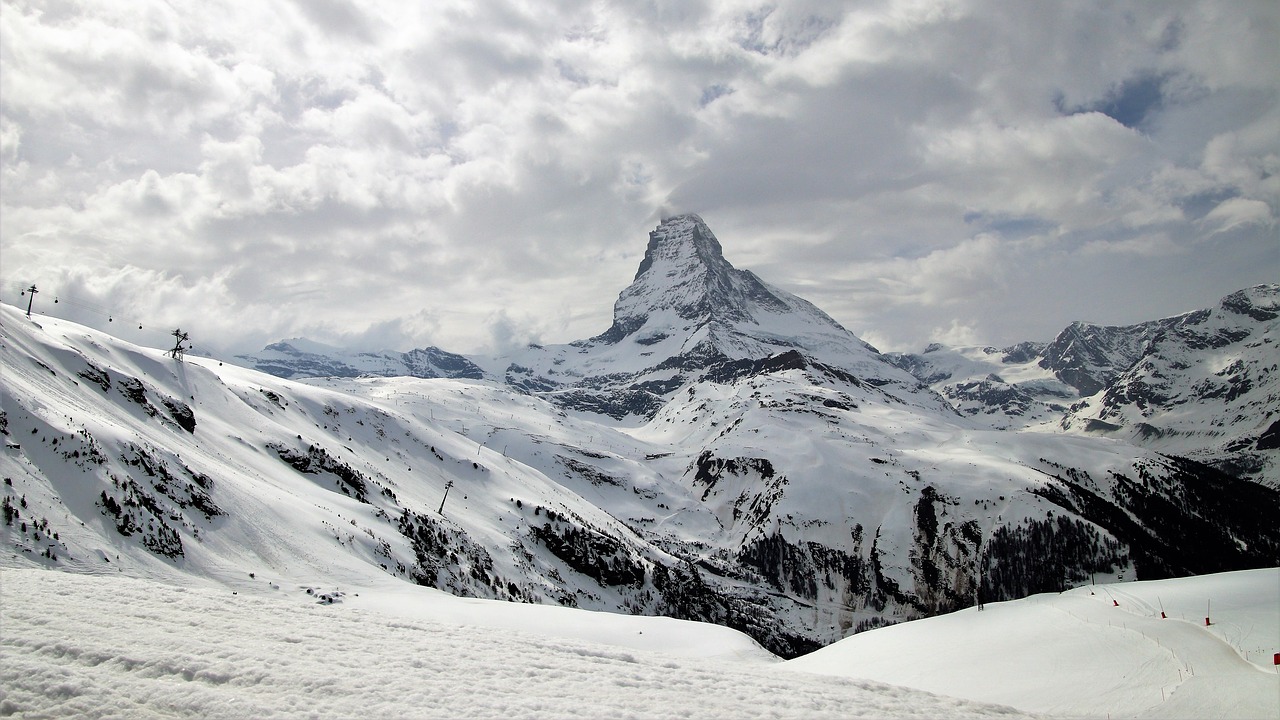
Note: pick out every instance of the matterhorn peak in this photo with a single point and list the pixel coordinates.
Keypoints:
(683, 240)
(688, 314)
(688, 299)
(684, 284)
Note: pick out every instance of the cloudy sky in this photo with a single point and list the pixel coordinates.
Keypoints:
(477, 173)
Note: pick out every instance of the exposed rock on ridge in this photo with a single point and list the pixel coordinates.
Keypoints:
(1204, 384)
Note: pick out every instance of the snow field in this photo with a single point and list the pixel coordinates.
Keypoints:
(1079, 654)
(102, 647)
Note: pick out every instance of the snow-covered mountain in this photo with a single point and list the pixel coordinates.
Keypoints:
(795, 491)
(305, 358)
(687, 315)
(1207, 386)
(1002, 387)
(1203, 384)
(689, 307)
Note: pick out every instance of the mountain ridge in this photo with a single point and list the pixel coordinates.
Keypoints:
(1201, 384)
(689, 315)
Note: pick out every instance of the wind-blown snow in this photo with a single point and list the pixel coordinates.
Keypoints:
(103, 646)
(113, 646)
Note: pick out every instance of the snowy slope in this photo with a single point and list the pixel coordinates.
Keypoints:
(269, 475)
(859, 508)
(110, 646)
(1096, 651)
(104, 646)
(785, 498)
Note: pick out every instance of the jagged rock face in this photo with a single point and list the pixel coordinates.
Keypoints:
(1087, 356)
(685, 288)
(1023, 352)
(1207, 385)
(1203, 384)
(1260, 302)
(684, 272)
(689, 309)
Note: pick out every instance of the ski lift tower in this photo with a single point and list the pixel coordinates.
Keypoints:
(31, 295)
(180, 337)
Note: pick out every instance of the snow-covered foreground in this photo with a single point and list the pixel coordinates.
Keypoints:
(1099, 651)
(112, 646)
(103, 646)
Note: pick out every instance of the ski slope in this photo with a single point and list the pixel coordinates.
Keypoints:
(108, 645)
(1099, 651)
(111, 646)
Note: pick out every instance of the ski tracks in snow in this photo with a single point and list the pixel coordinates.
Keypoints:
(1214, 679)
(117, 647)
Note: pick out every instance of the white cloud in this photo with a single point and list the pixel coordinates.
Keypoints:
(1154, 245)
(1059, 168)
(956, 334)
(1232, 213)
(467, 159)
(10, 140)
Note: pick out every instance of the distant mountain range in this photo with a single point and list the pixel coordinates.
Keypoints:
(725, 451)
(301, 358)
(1203, 385)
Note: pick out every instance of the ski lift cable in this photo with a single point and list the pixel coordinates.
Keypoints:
(84, 305)
(112, 316)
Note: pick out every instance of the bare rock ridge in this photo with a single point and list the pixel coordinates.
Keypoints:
(1087, 357)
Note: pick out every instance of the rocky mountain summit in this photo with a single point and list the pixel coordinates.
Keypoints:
(689, 315)
(693, 309)
(1206, 386)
